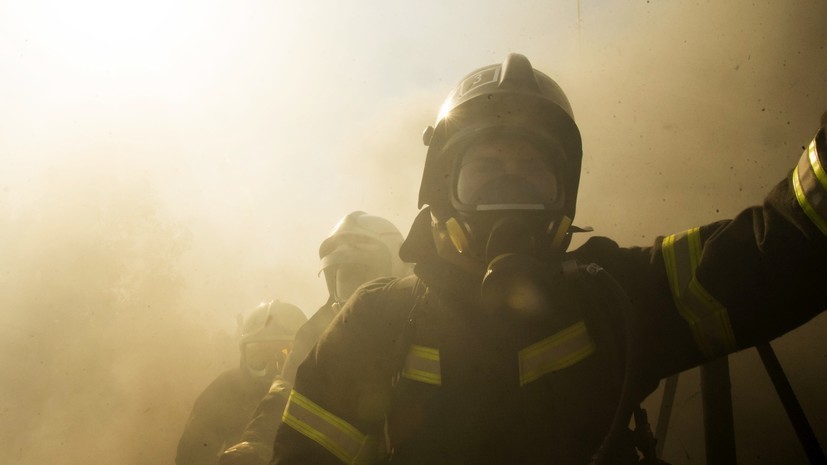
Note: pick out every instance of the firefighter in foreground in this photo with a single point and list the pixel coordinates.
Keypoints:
(507, 348)
(222, 411)
(360, 248)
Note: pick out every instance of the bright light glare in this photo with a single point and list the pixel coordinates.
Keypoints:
(80, 50)
(101, 33)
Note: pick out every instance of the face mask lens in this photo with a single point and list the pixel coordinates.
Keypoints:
(259, 354)
(354, 262)
(506, 172)
(349, 276)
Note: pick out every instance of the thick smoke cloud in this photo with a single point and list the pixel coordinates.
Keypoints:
(147, 200)
(98, 347)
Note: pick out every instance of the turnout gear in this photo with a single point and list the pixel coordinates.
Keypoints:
(255, 446)
(360, 247)
(407, 376)
(224, 408)
(218, 417)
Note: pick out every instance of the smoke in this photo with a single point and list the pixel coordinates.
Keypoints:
(690, 113)
(96, 341)
(150, 195)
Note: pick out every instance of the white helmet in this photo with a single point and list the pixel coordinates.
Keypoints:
(266, 336)
(360, 248)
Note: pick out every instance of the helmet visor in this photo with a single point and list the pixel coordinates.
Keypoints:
(349, 276)
(263, 353)
(357, 249)
(506, 173)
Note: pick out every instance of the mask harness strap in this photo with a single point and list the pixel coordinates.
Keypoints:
(418, 295)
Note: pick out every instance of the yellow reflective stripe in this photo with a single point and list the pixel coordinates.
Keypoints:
(718, 336)
(422, 364)
(676, 257)
(815, 162)
(329, 431)
(561, 350)
(707, 318)
(810, 186)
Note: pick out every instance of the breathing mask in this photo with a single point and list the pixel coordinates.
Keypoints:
(360, 248)
(501, 178)
(266, 337)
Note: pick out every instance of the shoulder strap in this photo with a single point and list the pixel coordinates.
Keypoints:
(412, 298)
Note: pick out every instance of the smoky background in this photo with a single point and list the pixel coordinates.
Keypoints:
(165, 166)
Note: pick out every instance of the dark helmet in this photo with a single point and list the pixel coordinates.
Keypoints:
(511, 100)
(271, 322)
(359, 248)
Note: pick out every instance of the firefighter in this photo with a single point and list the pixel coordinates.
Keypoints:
(506, 347)
(223, 409)
(360, 248)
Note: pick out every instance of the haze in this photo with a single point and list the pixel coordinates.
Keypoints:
(166, 165)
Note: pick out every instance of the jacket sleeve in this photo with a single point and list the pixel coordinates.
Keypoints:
(267, 416)
(306, 338)
(335, 412)
(204, 433)
(725, 286)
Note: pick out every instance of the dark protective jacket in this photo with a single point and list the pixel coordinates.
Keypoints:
(255, 444)
(218, 417)
(306, 337)
(477, 387)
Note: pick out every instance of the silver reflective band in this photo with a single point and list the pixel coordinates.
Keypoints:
(422, 364)
(329, 431)
(810, 185)
(707, 318)
(561, 350)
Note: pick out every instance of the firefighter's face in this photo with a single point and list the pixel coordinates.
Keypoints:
(363, 259)
(506, 171)
(349, 276)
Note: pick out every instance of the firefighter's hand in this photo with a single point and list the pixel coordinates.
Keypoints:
(246, 453)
